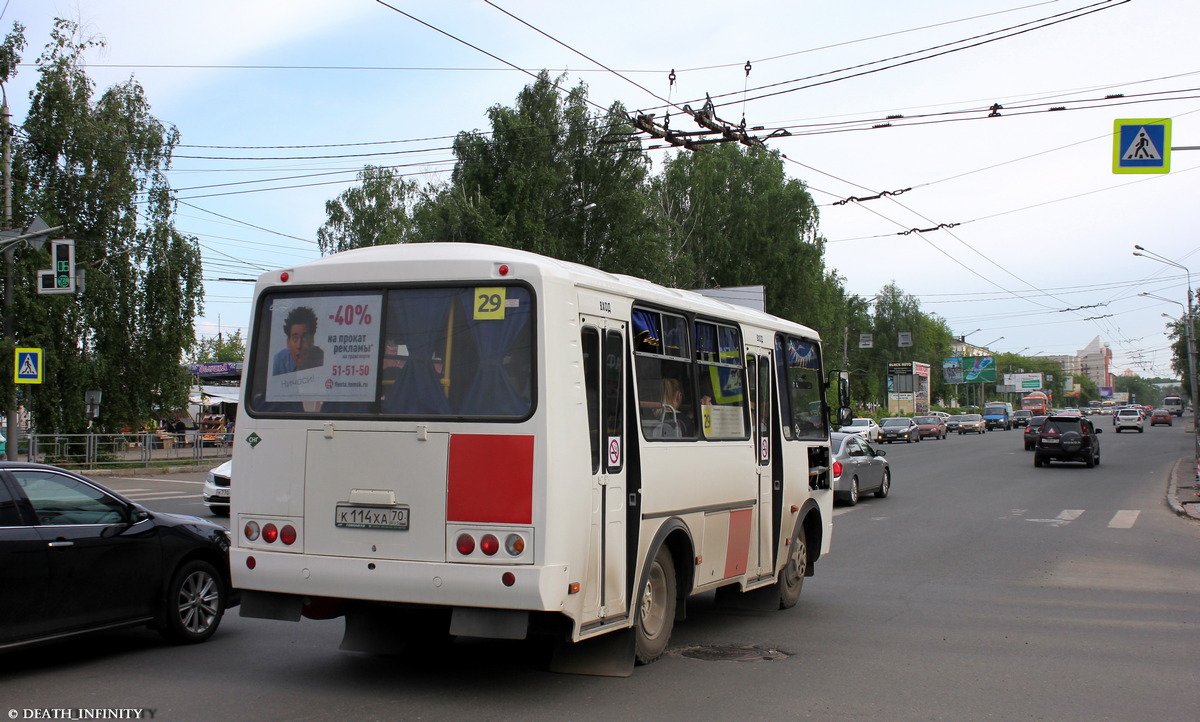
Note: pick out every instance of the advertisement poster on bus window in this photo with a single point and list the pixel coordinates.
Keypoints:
(324, 348)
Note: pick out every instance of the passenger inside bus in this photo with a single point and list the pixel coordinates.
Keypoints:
(674, 422)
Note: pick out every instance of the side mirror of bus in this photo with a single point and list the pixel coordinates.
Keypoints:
(841, 379)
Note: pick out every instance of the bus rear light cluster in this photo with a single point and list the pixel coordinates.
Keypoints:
(270, 533)
(485, 545)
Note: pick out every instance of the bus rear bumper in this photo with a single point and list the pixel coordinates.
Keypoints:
(494, 586)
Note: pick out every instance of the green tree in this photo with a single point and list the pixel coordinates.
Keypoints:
(553, 178)
(96, 166)
(1140, 390)
(731, 217)
(227, 348)
(375, 213)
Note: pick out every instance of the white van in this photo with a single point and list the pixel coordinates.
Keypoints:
(1173, 404)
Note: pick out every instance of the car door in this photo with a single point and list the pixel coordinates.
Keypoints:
(860, 461)
(25, 569)
(104, 562)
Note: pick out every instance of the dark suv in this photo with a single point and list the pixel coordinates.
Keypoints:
(1067, 438)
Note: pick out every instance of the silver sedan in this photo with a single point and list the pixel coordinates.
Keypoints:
(858, 468)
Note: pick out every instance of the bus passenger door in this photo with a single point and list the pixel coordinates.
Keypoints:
(603, 344)
(759, 373)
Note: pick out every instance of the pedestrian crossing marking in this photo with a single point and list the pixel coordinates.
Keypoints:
(1123, 519)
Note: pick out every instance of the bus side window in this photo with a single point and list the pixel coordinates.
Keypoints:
(590, 338)
(614, 397)
(665, 375)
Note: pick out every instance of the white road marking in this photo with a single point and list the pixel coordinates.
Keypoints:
(1124, 519)
(161, 495)
(1065, 517)
(166, 481)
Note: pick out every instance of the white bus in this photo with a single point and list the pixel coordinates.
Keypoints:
(455, 439)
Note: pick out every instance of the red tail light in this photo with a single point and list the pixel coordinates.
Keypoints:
(837, 468)
(288, 535)
(465, 544)
(270, 533)
(489, 544)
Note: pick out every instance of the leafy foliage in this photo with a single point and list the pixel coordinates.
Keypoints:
(95, 165)
(229, 348)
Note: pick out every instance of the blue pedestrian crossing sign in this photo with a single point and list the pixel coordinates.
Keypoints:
(28, 366)
(1142, 145)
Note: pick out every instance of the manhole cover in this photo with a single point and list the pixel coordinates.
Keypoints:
(730, 653)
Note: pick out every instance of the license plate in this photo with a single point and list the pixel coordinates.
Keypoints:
(221, 492)
(1049, 441)
(351, 516)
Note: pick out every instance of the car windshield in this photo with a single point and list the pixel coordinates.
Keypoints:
(1036, 421)
(927, 419)
(971, 417)
(895, 422)
(860, 422)
(1061, 425)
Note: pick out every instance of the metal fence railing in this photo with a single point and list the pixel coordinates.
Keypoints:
(98, 450)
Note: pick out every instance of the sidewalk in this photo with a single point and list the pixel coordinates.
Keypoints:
(1183, 496)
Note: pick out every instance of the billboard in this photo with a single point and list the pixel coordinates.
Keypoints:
(969, 370)
(1024, 382)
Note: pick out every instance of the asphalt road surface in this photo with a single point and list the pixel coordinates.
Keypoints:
(982, 588)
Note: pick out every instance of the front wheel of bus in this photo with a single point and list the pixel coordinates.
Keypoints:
(656, 608)
(791, 577)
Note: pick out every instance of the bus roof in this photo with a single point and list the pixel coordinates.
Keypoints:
(455, 261)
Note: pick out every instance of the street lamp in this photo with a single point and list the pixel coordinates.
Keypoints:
(1191, 345)
(986, 345)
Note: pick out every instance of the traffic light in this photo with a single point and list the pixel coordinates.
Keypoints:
(61, 277)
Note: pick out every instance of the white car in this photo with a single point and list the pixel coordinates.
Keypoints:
(1128, 419)
(866, 428)
(216, 489)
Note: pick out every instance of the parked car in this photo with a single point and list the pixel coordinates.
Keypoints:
(1160, 416)
(216, 489)
(1031, 431)
(972, 424)
(931, 426)
(1067, 438)
(1128, 418)
(867, 428)
(80, 558)
(858, 467)
(1021, 418)
(899, 429)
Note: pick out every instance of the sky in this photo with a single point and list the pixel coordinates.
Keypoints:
(280, 102)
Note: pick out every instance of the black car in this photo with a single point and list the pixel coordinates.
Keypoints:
(1067, 438)
(1031, 431)
(79, 558)
(899, 429)
(1021, 418)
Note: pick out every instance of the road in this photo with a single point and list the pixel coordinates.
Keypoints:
(981, 588)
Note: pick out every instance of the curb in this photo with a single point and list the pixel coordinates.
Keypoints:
(1173, 494)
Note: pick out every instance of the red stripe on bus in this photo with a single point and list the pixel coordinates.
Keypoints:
(738, 549)
(490, 479)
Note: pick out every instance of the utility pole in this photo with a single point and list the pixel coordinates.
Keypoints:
(9, 297)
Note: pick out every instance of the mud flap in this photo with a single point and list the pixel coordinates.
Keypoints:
(609, 655)
(763, 599)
